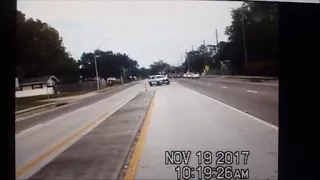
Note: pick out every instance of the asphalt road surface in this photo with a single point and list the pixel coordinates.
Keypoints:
(40, 143)
(185, 120)
(47, 116)
(180, 119)
(259, 100)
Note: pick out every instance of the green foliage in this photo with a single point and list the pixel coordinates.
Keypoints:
(260, 22)
(41, 52)
(197, 59)
(143, 72)
(159, 67)
(109, 65)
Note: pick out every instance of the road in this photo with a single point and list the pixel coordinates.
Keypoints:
(44, 117)
(186, 120)
(256, 99)
(181, 117)
(40, 143)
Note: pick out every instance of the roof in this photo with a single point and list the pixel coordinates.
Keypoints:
(37, 80)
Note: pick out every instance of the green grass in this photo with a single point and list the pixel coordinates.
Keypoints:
(29, 102)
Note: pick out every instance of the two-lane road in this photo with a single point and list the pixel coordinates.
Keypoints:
(188, 121)
(187, 115)
(259, 100)
(37, 119)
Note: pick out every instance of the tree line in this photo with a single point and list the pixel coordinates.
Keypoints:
(253, 26)
(41, 52)
(109, 64)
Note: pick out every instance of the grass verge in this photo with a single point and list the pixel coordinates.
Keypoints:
(29, 102)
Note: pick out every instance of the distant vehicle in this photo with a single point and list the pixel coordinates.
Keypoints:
(158, 80)
(189, 75)
(195, 75)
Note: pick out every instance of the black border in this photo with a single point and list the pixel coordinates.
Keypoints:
(8, 57)
(299, 76)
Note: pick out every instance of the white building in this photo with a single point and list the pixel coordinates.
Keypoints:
(36, 86)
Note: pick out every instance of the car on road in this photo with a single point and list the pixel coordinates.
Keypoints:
(189, 75)
(195, 75)
(158, 80)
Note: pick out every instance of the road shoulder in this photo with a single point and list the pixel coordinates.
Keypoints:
(101, 153)
(42, 117)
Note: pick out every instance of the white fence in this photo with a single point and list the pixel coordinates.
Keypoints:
(34, 92)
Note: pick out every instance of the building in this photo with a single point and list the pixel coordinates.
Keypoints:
(36, 86)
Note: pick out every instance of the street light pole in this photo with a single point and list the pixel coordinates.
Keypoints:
(244, 42)
(205, 59)
(217, 42)
(96, 67)
(187, 60)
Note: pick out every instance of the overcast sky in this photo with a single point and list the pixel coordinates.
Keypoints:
(146, 30)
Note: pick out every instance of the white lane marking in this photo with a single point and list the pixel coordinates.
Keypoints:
(29, 129)
(209, 84)
(250, 91)
(224, 87)
(253, 117)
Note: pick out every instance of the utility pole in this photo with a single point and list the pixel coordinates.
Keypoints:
(244, 42)
(187, 60)
(96, 67)
(217, 41)
(205, 57)
(124, 74)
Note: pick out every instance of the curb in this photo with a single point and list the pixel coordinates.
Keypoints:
(35, 108)
(253, 78)
(58, 102)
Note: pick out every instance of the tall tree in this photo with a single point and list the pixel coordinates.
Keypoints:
(197, 59)
(159, 67)
(109, 65)
(260, 27)
(41, 52)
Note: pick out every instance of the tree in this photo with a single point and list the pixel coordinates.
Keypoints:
(109, 65)
(197, 59)
(260, 21)
(159, 66)
(143, 72)
(41, 52)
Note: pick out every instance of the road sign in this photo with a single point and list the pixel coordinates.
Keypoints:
(206, 68)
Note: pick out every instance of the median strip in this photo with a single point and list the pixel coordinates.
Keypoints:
(101, 153)
(55, 148)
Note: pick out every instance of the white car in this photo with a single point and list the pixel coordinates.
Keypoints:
(158, 80)
(195, 75)
(189, 75)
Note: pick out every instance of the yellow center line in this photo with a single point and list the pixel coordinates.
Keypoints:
(135, 158)
(58, 146)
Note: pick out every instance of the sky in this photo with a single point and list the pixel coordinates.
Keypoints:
(145, 30)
